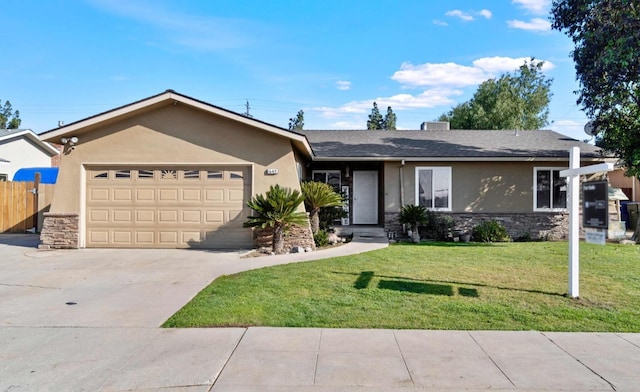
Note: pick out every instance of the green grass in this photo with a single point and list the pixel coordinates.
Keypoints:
(512, 286)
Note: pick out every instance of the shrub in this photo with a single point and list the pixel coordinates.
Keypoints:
(438, 227)
(321, 238)
(328, 216)
(490, 231)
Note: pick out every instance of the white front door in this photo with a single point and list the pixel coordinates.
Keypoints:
(365, 197)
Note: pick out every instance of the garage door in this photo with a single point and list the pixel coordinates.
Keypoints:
(168, 207)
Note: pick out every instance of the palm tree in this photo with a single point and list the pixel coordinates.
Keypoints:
(413, 216)
(278, 209)
(316, 196)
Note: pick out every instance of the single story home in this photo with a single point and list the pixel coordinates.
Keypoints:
(21, 148)
(174, 171)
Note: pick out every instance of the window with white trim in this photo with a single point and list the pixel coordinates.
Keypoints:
(549, 189)
(433, 188)
(331, 177)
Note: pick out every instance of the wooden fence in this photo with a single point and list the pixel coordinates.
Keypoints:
(22, 205)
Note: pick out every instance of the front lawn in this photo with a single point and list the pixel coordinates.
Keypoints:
(511, 286)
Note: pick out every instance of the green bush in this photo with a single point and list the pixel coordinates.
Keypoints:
(490, 231)
(321, 238)
(438, 227)
(329, 215)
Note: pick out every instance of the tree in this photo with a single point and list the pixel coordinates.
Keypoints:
(607, 61)
(375, 119)
(278, 209)
(297, 123)
(319, 195)
(390, 120)
(518, 100)
(8, 118)
(377, 122)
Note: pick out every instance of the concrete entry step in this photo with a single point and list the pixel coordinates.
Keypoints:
(361, 231)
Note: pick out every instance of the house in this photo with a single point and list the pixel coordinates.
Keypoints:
(173, 171)
(22, 148)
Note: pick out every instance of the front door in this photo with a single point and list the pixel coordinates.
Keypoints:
(365, 197)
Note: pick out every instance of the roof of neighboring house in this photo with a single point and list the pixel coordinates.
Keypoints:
(445, 145)
(170, 97)
(6, 134)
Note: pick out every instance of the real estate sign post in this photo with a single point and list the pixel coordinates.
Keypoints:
(573, 181)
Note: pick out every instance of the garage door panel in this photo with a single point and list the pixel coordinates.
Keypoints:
(191, 216)
(122, 216)
(145, 216)
(123, 194)
(168, 208)
(191, 195)
(99, 194)
(168, 194)
(122, 237)
(145, 195)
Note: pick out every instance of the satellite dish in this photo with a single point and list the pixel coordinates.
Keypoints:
(589, 129)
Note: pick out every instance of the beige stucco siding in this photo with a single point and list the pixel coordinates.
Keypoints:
(174, 134)
(488, 187)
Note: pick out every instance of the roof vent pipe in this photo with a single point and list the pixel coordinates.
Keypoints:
(435, 126)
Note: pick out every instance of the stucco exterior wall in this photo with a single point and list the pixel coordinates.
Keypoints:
(487, 187)
(21, 152)
(174, 134)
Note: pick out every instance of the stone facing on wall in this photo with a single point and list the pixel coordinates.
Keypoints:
(300, 236)
(536, 225)
(59, 231)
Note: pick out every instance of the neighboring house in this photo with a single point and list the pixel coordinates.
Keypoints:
(22, 148)
(173, 171)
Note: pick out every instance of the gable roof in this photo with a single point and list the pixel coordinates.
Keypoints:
(8, 134)
(170, 97)
(445, 145)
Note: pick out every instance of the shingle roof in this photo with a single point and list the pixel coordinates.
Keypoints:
(444, 144)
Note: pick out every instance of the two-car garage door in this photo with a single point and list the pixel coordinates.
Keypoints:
(167, 207)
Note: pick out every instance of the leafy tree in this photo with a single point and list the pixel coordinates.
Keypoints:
(390, 120)
(607, 60)
(376, 120)
(278, 209)
(518, 100)
(413, 216)
(318, 195)
(8, 118)
(297, 123)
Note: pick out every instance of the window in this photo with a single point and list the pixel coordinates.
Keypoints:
(331, 177)
(3, 177)
(100, 174)
(550, 190)
(235, 175)
(433, 188)
(214, 174)
(191, 174)
(123, 174)
(145, 174)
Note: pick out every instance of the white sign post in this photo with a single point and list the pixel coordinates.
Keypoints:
(573, 181)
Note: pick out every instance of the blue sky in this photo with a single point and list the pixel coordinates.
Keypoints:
(67, 60)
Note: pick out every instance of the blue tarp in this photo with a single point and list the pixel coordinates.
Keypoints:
(48, 175)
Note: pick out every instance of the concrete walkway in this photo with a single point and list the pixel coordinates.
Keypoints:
(107, 337)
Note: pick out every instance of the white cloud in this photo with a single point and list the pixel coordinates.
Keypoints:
(538, 7)
(459, 14)
(486, 13)
(427, 99)
(440, 23)
(343, 85)
(347, 125)
(444, 74)
(535, 24)
(496, 65)
(469, 16)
